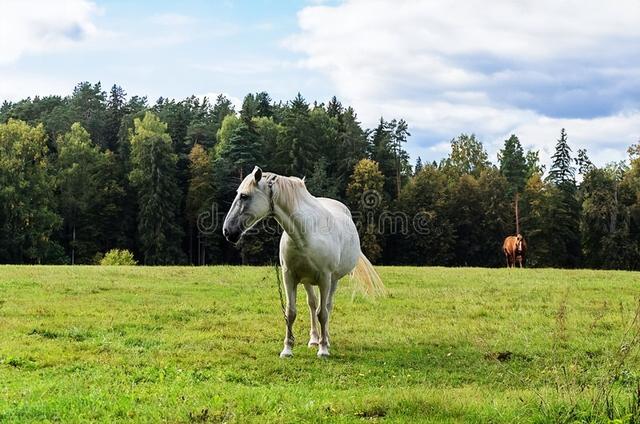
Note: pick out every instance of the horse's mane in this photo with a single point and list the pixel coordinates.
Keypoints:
(288, 191)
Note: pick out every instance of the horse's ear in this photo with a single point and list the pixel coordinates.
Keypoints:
(257, 174)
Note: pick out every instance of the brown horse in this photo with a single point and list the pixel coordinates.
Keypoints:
(514, 248)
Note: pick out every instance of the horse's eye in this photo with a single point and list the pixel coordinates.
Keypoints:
(244, 196)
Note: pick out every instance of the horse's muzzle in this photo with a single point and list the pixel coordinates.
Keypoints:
(231, 236)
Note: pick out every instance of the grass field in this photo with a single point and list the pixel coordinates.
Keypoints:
(201, 345)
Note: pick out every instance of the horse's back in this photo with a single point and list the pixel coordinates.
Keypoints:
(335, 206)
(335, 248)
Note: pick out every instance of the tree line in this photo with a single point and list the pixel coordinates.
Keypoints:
(96, 170)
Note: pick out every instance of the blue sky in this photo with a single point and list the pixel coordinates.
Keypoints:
(529, 67)
(180, 48)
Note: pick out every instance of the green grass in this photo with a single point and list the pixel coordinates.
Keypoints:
(201, 345)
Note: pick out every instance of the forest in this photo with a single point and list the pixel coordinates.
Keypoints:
(96, 170)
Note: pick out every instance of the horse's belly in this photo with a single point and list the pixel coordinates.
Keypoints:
(309, 265)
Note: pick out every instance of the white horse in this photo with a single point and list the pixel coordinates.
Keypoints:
(320, 245)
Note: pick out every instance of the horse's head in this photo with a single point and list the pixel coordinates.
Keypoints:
(519, 242)
(252, 203)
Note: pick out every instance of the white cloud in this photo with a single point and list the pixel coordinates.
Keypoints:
(529, 67)
(43, 26)
(245, 66)
(13, 86)
(606, 138)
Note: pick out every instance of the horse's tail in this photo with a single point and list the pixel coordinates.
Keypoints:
(367, 278)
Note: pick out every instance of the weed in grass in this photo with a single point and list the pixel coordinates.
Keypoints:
(578, 398)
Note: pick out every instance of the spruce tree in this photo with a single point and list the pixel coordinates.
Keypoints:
(89, 195)
(353, 146)
(319, 183)
(153, 176)
(562, 172)
(298, 143)
(200, 203)
(334, 108)
(564, 219)
(115, 111)
(264, 108)
(381, 144)
(418, 167)
(221, 109)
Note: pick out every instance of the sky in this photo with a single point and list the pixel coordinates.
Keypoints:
(529, 67)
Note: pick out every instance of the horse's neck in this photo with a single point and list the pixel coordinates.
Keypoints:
(298, 219)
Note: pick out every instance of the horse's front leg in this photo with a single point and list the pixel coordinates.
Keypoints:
(290, 286)
(327, 289)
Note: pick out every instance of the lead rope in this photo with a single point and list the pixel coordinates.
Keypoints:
(275, 264)
(279, 285)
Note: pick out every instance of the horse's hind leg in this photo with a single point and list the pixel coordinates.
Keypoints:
(332, 291)
(312, 301)
(290, 289)
(323, 314)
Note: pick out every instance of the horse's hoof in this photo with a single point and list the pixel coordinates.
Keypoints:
(313, 343)
(323, 352)
(286, 353)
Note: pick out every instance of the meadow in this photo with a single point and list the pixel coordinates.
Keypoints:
(187, 344)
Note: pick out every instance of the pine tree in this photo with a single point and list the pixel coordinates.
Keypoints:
(399, 137)
(153, 176)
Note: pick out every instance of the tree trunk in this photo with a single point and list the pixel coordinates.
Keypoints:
(517, 216)
(73, 246)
